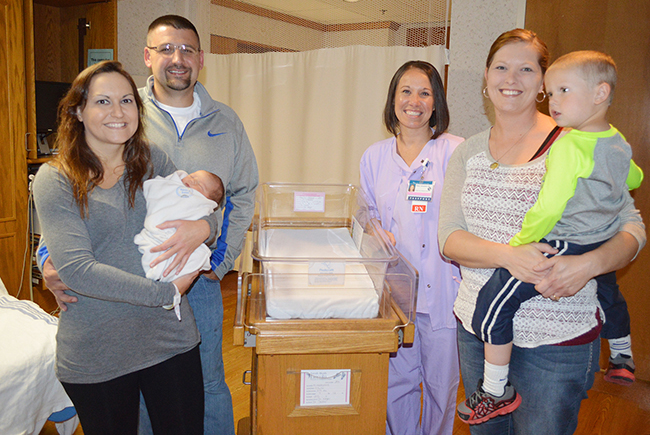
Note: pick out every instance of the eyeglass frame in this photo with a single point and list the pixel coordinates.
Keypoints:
(180, 47)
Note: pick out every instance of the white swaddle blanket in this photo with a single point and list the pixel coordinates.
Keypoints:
(169, 199)
(292, 292)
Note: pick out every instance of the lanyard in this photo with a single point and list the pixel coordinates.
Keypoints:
(419, 191)
(425, 165)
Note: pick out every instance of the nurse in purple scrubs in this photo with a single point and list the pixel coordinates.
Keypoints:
(403, 177)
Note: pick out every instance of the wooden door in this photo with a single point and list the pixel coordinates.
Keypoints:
(619, 28)
(13, 169)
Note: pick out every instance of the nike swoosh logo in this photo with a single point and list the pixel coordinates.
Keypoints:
(214, 134)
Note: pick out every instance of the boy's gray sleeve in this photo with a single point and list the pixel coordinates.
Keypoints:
(631, 222)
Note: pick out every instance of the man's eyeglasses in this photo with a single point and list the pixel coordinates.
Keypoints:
(169, 49)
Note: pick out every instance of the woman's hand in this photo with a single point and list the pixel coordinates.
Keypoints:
(522, 260)
(56, 286)
(189, 235)
(185, 282)
(472, 251)
(391, 237)
(564, 275)
(567, 274)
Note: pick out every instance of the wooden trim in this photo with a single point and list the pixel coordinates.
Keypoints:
(30, 86)
(267, 13)
(225, 45)
(64, 3)
(392, 25)
(279, 16)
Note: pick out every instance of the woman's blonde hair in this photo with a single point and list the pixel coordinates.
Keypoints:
(520, 35)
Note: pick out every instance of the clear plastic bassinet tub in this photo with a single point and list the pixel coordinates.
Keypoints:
(322, 254)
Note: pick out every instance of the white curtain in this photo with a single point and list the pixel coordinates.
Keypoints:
(311, 115)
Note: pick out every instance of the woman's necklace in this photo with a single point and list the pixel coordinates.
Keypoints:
(496, 163)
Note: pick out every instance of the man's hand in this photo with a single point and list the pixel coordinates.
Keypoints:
(189, 235)
(56, 286)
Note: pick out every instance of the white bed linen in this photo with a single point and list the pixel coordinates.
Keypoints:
(289, 294)
(29, 389)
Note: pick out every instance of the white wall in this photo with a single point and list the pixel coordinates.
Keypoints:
(474, 26)
(229, 22)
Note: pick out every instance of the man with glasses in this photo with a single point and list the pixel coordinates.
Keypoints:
(200, 133)
(197, 133)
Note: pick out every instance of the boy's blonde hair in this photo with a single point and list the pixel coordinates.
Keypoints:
(594, 67)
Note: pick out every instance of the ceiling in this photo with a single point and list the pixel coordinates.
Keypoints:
(361, 11)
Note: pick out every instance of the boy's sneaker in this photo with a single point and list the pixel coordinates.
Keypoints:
(620, 370)
(482, 406)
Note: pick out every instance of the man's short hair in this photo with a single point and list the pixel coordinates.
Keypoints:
(175, 21)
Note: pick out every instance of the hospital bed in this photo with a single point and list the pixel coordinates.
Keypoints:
(30, 393)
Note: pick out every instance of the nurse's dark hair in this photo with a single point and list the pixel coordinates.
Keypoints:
(177, 22)
(439, 118)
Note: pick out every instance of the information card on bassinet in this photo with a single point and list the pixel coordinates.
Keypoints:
(309, 201)
(324, 387)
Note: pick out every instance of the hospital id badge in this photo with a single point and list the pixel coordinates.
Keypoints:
(419, 190)
(419, 206)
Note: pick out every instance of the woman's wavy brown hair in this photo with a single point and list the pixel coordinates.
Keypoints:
(77, 161)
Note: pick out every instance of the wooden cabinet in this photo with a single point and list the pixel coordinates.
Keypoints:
(287, 350)
(13, 129)
(40, 42)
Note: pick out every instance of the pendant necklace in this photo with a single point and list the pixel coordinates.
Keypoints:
(495, 164)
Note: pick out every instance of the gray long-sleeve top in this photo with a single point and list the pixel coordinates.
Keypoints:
(118, 325)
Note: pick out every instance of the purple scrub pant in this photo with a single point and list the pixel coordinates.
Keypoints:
(433, 362)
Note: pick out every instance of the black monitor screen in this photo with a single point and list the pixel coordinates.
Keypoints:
(48, 95)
